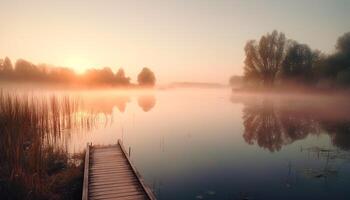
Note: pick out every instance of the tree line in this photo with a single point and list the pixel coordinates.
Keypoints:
(275, 60)
(25, 71)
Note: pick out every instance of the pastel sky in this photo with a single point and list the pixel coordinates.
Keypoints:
(182, 40)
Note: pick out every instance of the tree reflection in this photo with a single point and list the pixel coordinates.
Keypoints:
(271, 126)
(261, 125)
(339, 132)
(146, 102)
(105, 103)
(296, 125)
(121, 102)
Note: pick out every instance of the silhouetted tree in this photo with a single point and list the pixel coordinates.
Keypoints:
(25, 70)
(336, 67)
(6, 65)
(264, 59)
(146, 78)
(6, 68)
(60, 74)
(235, 80)
(343, 44)
(343, 55)
(297, 65)
(121, 78)
(99, 76)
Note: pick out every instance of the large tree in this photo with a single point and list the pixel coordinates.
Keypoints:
(121, 78)
(297, 65)
(336, 67)
(343, 44)
(6, 68)
(146, 78)
(6, 65)
(264, 59)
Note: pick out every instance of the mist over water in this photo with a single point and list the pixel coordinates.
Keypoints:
(215, 144)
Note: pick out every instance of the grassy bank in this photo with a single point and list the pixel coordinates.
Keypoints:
(34, 162)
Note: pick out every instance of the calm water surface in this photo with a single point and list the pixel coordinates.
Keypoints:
(212, 144)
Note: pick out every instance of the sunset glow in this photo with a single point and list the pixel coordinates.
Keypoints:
(175, 38)
(174, 99)
(79, 64)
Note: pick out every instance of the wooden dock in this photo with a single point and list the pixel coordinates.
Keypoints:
(109, 174)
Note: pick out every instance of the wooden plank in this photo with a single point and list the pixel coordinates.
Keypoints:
(140, 179)
(96, 179)
(117, 169)
(115, 163)
(86, 174)
(134, 197)
(116, 176)
(114, 183)
(101, 166)
(116, 155)
(109, 167)
(111, 175)
(116, 191)
(117, 195)
(120, 187)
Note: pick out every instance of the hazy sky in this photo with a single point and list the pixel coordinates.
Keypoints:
(183, 40)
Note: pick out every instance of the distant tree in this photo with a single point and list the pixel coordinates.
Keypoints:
(99, 76)
(106, 75)
(343, 44)
(61, 74)
(343, 60)
(25, 70)
(121, 78)
(297, 65)
(235, 80)
(6, 68)
(23, 66)
(6, 65)
(336, 67)
(146, 78)
(343, 77)
(264, 59)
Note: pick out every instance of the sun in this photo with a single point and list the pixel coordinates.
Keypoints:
(79, 64)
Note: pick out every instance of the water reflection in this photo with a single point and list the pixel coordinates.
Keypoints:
(121, 102)
(272, 124)
(106, 103)
(339, 132)
(146, 102)
(261, 125)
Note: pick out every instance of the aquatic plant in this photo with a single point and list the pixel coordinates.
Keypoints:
(33, 134)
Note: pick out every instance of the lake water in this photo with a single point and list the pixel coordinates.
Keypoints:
(214, 144)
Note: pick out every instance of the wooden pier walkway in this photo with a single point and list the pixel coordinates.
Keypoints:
(109, 174)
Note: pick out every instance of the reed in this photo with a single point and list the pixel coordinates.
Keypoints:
(33, 151)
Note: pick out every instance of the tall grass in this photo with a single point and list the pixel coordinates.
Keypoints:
(33, 136)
